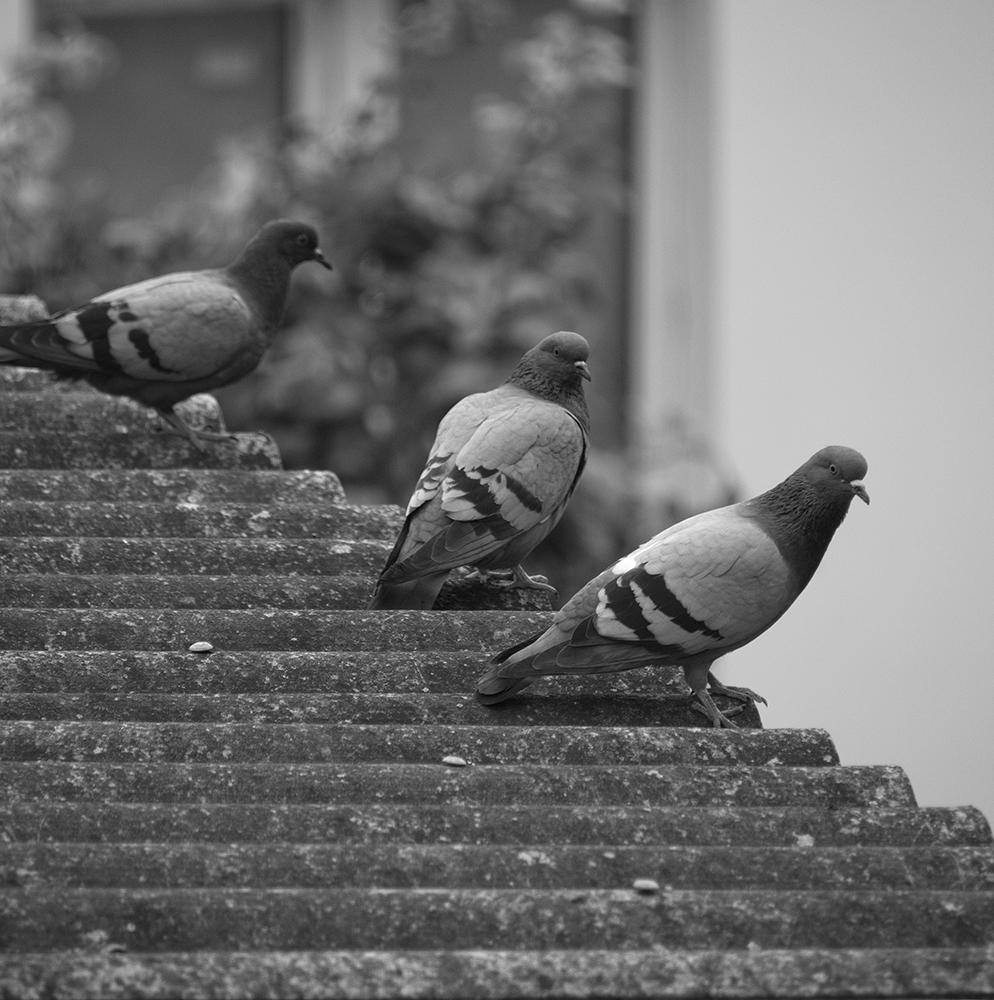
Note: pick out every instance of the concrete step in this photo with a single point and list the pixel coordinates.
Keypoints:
(492, 973)
(357, 782)
(530, 823)
(333, 671)
(16, 379)
(178, 486)
(183, 556)
(242, 591)
(498, 866)
(86, 410)
(56, 450)
(408, 708)
(248, 742)
(100, 519)
(166, 920)
(320, 631)
(90, 412)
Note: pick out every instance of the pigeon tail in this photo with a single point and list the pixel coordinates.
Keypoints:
(410, 595)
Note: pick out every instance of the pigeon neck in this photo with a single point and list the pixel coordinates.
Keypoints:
(263, 278)
(801, 521)
(565, 392)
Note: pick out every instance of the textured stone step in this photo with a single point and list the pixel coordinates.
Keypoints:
(189, 486)
(16, 379)
(241, 591)
(524, 823)
(625, 785)
(101, 519)
(245, 742)
(501, 866)
(496, 973)
(90, 412)
(408, 708)
(346, 673)
(189, 919)
(52, 450)
(370, 631)
(183, 556)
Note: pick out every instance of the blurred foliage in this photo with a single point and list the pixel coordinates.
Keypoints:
(442, 279)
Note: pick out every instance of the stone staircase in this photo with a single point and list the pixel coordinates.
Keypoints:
(319, 807)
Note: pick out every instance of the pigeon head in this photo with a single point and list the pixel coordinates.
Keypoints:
(837, 469)
(291, 242)
(563, 354)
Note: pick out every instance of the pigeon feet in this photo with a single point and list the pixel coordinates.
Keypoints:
(739, 693)
(703, 702)
(177, 425)
(526, 582)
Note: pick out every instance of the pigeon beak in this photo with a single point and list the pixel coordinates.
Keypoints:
(581, 367)
(860, 490)
(320, 258)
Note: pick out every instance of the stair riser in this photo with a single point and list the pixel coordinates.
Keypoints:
(550, 866)
(197, 486)
(301, 743)
(134, 451)
(192, 556)
(324, 631)
(181, 920)
(208, 520)
(497, 974)
(460, 709)
(241, 592)
(368, 779)
(495, 821)
(89, 412)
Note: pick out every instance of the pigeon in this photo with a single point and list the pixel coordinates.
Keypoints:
(162, 340)
(697, 590)
(499, 475)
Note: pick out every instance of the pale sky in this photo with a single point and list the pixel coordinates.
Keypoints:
(855, 283)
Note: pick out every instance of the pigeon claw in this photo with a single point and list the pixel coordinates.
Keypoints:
(738, 693)
(703, 702)
(526, 582)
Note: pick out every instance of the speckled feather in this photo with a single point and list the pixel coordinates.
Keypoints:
(499, 475)
(697, 590)
(162, 340)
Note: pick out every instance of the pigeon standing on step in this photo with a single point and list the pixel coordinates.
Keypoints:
(695, 591)
(499, 475)
(162, 340)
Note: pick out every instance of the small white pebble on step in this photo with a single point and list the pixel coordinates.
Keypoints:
(454, 761)
(201, 647)
(646, 885)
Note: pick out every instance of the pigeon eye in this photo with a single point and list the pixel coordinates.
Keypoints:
(302, 240)
(834, 469)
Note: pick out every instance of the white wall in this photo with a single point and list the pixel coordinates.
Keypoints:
(855, 303)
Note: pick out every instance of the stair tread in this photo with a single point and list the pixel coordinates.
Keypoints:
(183, 919)
(509, 866)
(497, 819)
(497, 972)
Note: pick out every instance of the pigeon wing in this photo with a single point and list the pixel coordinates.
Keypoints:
(180, 327)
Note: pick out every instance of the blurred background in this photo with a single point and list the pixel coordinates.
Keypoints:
(773, 221)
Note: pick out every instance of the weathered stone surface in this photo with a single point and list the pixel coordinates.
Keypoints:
(242, 591)
(193, 556)
(333, 671)
(485, 631)
(612, 785)
(90, 412)
(495, 974)
(288, 790)
(184, 519)
(188, 486)
(52, 450)
(21, 309)
(409, 708)
(467, 866)
(526, 821)
(288, 742)
(219, 919)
